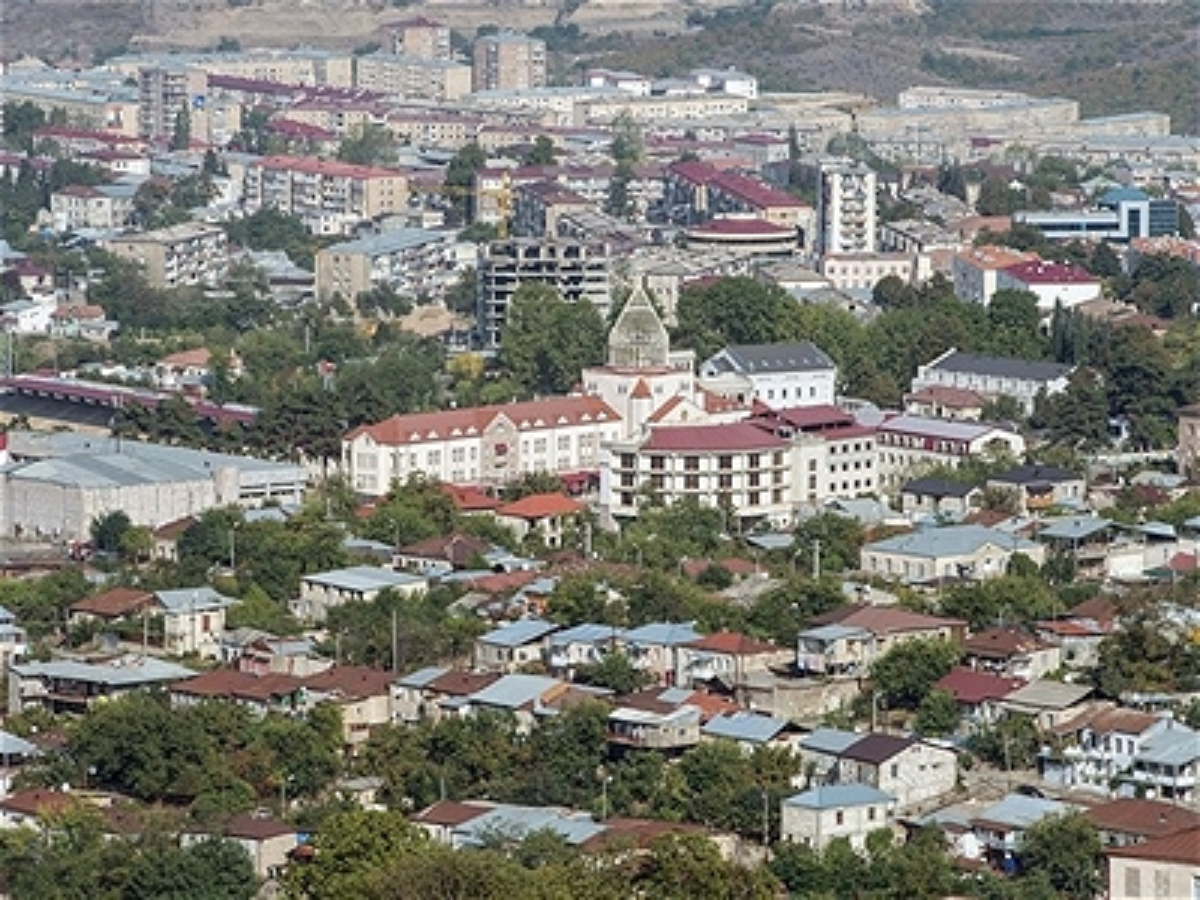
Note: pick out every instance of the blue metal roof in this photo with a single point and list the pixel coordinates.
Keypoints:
(1021, 811)
(668, 634)
(745, 726)
(364, 578)
(833, 741)
(513, 691)
(192, 600)
(1075, 528)
(954, 540)
(11, 745)
(517, 821)
(825, 633)
(422, 677)
(838, 796)
(587, 633)
(519, 633)
(1177, 746)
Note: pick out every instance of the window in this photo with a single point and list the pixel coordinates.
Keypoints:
(839, 817)
(564, 442)
(895, 770)
(658, 463)
(691, 464)
(628, 461)
(724, 462)
(725, 481)
(870, 814)
(691, 482)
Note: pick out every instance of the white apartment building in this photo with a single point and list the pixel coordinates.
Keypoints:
(993, 377)
(411, 76)
(846, 207)
(331, 197)
(738, 465)
(1054, 284)
(862, 271)
(911, 445)
(487, 445)
(976, 271)
(102, 206)
(415, 262)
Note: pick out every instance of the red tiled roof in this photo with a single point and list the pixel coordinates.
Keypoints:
(541, 506)
(732, 437)
(470, 499)
(733, 643)
(503, 582)
(456, 549)
(741, 227)
(1039, 271)
(446, 424)
(333, 168)
(114, 603)
(970, 687)
(641, 390)
(172, 530)
(1180, 847)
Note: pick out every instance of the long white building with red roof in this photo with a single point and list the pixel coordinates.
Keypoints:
(485, 445)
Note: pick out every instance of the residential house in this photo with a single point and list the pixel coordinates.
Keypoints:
(821, 751)
(834, 651)
(1095, 749)
(434, 692)
(263, 654)
(322, 591)
(261, 694)
(891, 625)
(193, 620)
(778, 375)
(528, 697)
(951, 553)
(823, 814)
(414, 262)
(1012, 653)
(14, 642)
(166, 538)
(545, 516)
(938, 498)
(439, 554)
(941, 402)
(1048, 703)
(363, 696)
(1001, 826)
(748, 730)
(581, 645)
(654, 724)
(104, 207)
(1079, 632)
(1054, 284)
(993, 377)
(268, 842)
(513, 646)
(1168, 764)
(727, 658)
(68, 685)
(1166, 866)
(1039, 488)
(976, 271)
(1085, 540)
(1188, 439)
(15, 752)
(111, 605)
(653, 648)
(912, 771)
(1129, 820)
(977, 694)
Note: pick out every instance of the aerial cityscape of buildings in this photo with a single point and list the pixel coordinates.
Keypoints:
(690, 267)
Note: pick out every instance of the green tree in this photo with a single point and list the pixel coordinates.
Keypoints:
(906, 673)
(211, 868)
(1065, 849)
(547, 341)
(368, 144)
(459, 184)
(828, 542)
(181, 132)
(352, 849)
(733, 311)
(109, 529)
(615, 672)
(628, 144)
(938, 714)
(542, 152)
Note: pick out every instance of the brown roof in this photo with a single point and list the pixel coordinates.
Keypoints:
(451, 813)
(470, 499)
(541, 506)
(639, 832)
(1144, 818)
(969, 686)
(1002, 642)
(456, 549)
(232, 684)
(1106, 718)
(886, 620)
(352, 682)
(1180, 847)
(459, 684)
(199, 357)
(958, 398)
(733, 643)
(877, 748)
(257, 828)
(170, 531)
(38, 801)
(114, 603)
(1098, 609)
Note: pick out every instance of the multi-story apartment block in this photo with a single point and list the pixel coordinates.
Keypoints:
(993, 377)
(412, 261)
(102, 206)
(578, 270)
(163, 93)
(976, 271)
(695, 192)
(182, 255)
(1054, 284)
(419, 37)
(862, 271)
(737, 466)
(538, 207)
(91, 99)
(490, 445)
(1120, 215)
(846, 207)
(413, 76)
(910, 445)
(509, 62)
(330, 197)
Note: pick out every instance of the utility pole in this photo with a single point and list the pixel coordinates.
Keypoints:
(816, 559)
(395, 644)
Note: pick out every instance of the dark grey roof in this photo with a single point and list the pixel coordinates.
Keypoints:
(1001, 367)
(803, 356)
(937, 487)
(1035, 474)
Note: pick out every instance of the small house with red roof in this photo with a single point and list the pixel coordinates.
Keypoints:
(1169, 866)
(112, 605)
(1011, 652)
(546, 516)
(268, 841)
(1053, 283)
(977, 693)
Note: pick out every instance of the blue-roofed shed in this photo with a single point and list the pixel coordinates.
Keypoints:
(840, 796)
(829, 741)
(745, 727)
(516, 634)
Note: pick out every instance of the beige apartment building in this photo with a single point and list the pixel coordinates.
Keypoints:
(509, 62)
(419, 37)
(414, 262)
(179, 256)
(330, 197)
(413, 76)
(486, 445)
